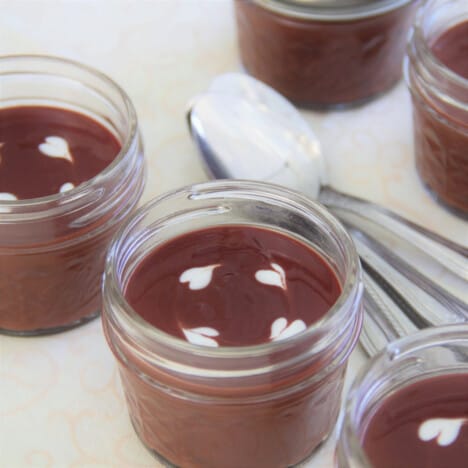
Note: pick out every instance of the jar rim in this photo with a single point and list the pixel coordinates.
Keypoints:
(322, 10)
(47, 203)
(350, 287)
(387, 359)
(418, 40)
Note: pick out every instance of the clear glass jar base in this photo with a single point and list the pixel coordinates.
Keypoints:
(330, 107)
(53, 330)
(443, 204)
(161, 460)
(165, 463)
(351, 105)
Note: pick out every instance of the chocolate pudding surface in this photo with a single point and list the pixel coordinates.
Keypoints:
(451, 48)
(232, 286)
(422, 425)
(47, 150)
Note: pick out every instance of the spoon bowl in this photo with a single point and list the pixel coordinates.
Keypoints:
(246, 130)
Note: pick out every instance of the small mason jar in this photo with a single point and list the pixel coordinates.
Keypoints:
(52, 249)
(440, 105)
(434, 353)
(324, 54)
(263, 406)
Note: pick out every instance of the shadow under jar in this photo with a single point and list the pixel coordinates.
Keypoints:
(408, 407)
(437, 76)
(196, 402)
(71, 171)
(324, 54)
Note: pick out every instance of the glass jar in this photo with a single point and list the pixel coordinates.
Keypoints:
(324, 54)
(433, 353)
(440, 106)
(267, 405)
(52, 249)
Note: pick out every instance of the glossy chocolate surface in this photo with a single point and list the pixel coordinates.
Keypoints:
(424, 424)
(451, 48)
(232, 286)
(50, 271)
(441, 131)
(46, 150)
(318, 63)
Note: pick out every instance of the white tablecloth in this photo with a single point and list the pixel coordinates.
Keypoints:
(61, 403)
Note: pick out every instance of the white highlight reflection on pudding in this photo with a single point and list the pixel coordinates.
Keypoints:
(199, 277)
(56, 147)
(66, 187)
(280, 330)
(6, 196)
(201, 336)
(446, 430)
(274, 277)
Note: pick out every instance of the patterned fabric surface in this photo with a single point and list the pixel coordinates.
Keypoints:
(61, 403)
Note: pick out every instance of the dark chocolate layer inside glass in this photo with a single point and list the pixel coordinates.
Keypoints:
(441, 130)
(423, 424)
(47, 150)
(50, 277)
(233, 286)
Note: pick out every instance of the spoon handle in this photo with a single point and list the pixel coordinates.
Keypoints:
(383, 321)
(394, 306)
(447, 253)
(400, 261)
(431, 297)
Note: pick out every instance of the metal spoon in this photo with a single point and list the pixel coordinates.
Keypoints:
(246, 130)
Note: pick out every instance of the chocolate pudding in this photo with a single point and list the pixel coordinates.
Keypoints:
(423, 424)
(451, 48)
(272, 427)
(232, 308)
(71, 171)
(50, 268)
(441, 129)
(232, 286)
(46, 150)
(323, 55)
